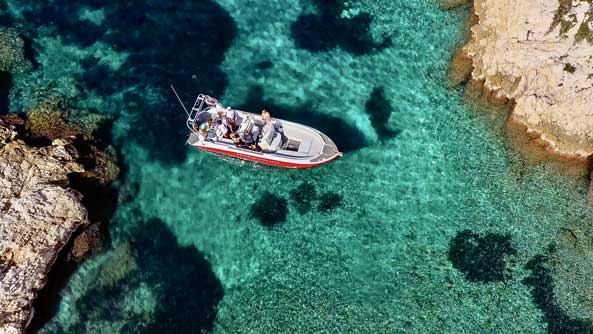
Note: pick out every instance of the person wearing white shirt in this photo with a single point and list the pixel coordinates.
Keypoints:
(268, 131)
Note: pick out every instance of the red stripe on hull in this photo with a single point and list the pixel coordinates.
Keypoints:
(265, 161)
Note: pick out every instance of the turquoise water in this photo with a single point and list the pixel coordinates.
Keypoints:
(373, 242)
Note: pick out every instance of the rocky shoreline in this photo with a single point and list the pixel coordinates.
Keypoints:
(56, 190)
(54, 184)
(537, 57)
(37, 217)
(39, 213)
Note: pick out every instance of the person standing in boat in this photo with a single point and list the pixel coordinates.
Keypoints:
(268, 130)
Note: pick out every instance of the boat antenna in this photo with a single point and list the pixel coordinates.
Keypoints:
(179, 99)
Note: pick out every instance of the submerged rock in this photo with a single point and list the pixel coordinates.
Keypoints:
(303, 196)
(151, 284)
(270, 209)
(329, 201)
(335, 26)
(481, 258)
(570, 266)
(460, 69)
(544, 290)
(452, 4)
(86, 243)
(537, 54)
(12, 61)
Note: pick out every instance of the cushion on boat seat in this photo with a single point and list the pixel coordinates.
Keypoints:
(305, 145)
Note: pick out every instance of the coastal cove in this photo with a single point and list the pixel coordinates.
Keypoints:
(436, 220)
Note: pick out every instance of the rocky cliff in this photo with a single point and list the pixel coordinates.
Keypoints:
(42, 158)
(538, 54)
(38, 214)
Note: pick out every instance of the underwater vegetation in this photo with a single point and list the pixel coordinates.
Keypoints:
(542, 289)
(176, 280)
(329, 29)
(481, 258)
(379, 109)
(303, 196)
(332, 126)
(329, 201)
(270, 209)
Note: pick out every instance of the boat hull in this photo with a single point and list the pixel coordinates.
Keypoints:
(267, 161)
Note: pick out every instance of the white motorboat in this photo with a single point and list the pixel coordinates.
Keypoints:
(293, 146)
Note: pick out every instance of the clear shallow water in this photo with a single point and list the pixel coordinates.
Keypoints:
(187, 252)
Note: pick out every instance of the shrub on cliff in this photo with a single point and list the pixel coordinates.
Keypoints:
(49, 120)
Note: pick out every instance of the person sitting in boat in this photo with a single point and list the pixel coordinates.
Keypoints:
(247, 135)
(203, 130)
(238, 136)
(221, 129)
(268, 131)
(231, 120)
(251, 138)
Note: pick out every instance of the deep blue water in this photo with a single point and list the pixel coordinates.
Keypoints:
(430, 223)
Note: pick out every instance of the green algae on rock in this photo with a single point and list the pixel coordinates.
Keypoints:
(48, 120)
(567, 16)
